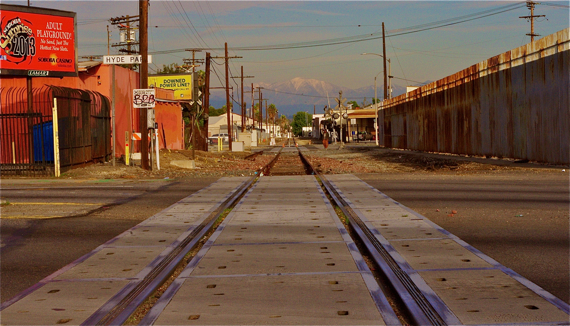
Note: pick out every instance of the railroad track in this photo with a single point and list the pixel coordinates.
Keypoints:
(414, 304)
(408, 297)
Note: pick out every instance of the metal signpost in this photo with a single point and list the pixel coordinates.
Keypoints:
(340, 104)
(120, 60)
(145, 99)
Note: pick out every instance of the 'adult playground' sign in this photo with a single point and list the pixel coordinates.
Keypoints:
(37, 41)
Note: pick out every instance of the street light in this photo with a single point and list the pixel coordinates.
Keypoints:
(376, 96)
(389, 73)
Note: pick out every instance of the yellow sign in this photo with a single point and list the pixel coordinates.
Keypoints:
(181, 84)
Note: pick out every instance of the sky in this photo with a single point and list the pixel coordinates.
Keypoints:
(415, 57)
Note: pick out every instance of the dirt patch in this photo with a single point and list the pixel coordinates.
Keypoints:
(368, 159)
(207, 164)
(351, 159)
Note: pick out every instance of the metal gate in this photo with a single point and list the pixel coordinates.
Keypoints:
(27, 146)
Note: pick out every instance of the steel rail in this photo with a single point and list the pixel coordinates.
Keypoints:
(414, 301)
(252, 156)
(134, 295)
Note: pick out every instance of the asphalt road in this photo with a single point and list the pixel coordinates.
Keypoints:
(519, 219)
(70, 219)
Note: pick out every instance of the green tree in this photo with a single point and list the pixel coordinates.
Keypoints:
(300, 120)
(271, 112)
(257, 112)
(284, 123)
(217, 112)
(354, 104)
(172, 68)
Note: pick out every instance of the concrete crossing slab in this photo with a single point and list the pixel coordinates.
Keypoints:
(177, 219)
(76, 292)
(322, 299)
(283, 263)
(394, 228)
(275, 233)
(438, 254)
(277, 258)
(450, 273)
(491, 297)
(151, 235)
(61, 303)
(119, 263)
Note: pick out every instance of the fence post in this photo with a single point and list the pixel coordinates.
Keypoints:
(55, 139)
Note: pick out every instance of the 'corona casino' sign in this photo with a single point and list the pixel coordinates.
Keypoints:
(37, 41)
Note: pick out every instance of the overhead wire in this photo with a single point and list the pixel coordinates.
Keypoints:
(374, 36)
(554, 5)
(189, 36)
(189, 23)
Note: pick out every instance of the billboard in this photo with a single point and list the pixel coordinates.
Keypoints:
(181, 84)
(37, 41)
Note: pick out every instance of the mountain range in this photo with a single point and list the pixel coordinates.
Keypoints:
(300, 94)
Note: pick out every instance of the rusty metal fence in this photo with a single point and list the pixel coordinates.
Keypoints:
(515, 105)
(27, 146)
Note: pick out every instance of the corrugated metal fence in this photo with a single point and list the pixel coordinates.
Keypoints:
(513, 105)
(27, 136)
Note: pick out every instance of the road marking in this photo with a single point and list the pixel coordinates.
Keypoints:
(68, 204)
(35, 217)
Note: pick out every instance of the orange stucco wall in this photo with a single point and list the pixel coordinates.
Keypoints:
(170, 124)
(97, 79)
(100, 79)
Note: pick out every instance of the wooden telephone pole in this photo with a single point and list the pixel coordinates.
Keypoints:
(530, 5)
(206, 100)
(228, 111)
(242, 100)
(124, 23)
(384, 56)
(143, 30)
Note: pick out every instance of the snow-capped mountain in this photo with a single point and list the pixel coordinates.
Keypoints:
(300, 94)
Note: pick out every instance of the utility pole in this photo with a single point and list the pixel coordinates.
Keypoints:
(228, 111)
(143, 29)
(266, 125)
(384, 56)
(124, 23)
(530, 5)
(340, 111)
(206, 100)
(242, 99)
(191, 63)
(260, 110)
(252, 106)
(108, 41)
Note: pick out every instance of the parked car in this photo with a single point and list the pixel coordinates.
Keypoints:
(363, 135)
(214, 138)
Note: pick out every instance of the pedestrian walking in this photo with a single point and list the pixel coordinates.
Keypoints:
(325, 138)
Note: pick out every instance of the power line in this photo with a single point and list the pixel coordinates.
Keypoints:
(553, 5)
(189, 21)
(171, 12)
(373, 36)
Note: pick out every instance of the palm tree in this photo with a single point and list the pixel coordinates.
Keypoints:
(271, 112)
